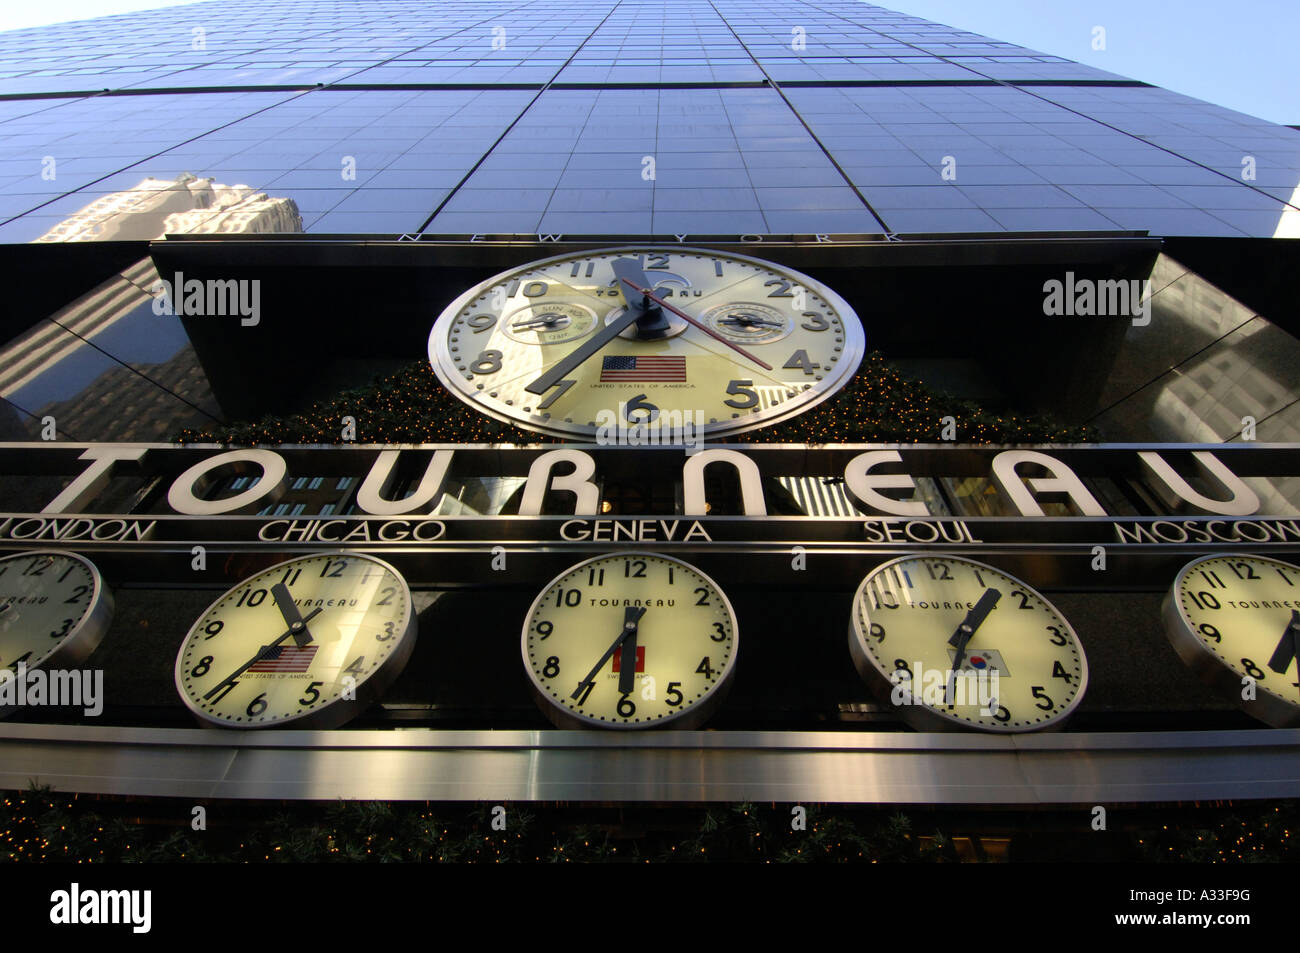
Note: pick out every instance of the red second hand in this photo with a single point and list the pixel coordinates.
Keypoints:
(686, 317)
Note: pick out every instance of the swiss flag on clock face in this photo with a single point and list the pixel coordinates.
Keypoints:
(640, 659)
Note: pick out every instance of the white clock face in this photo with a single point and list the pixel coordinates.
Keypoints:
(633, 640)
(1237, 620)
(733, 342)
(54, 609)
(956, 643)
(306, 643)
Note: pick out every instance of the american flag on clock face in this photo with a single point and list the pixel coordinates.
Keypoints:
(285, 658)
(628, 369)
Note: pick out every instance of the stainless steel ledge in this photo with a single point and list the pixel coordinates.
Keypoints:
(685, 766)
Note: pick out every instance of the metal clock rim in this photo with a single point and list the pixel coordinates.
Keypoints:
(923, 717)
(331, 714)
(77, 645)
(694, 715)
(848, 365)
(1267, 705)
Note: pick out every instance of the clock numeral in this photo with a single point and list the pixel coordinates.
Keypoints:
(291, 576)
(536, 289)
(388, 633)
(212, 628)
(944, 575)
(38, 565)
(489, 362)
(703, 599)
(1024, 600)
(562, 386)
(1058, 637)
(704, 668)
(673, 697)
(742, 389)
(782, 292)
(256, 706)
(656, 263)
(205, 664)
(67, 625)
(720, 632)
(251, 597)
(817, 323)
(591, 268)
(799, 360)
(877, 631)
(596, 577)
(1058, 671)
(1285, 579)
(1237, 567)
(225, 690)
(544, 629)
(1253, 670)
(627, 569)
(881, 596)
(1205, 600)
(900, 665)
(77, 593)
(333, 568)
(585, 692)
(552, 667)
(1045, 703)
(1002, 714)
(388, 599)
(357, 667)
(567, 597)
(639, 402)
(311, 695)
(1210, 632)
(717, 268)
(1212, 578)
(670, 575)
(626, 707)
(481, 322)
(71, 566)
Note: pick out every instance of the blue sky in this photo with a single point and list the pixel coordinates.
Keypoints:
(1239, 54)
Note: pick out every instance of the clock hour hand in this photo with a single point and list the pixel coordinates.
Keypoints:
(1288, 647)
(631, 617)
(965, 632)
(292, 617)
(262, 653)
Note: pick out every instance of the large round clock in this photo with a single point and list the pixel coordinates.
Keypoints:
(1235, 620)
(661, 338)
(307, 643)
(631, 640)
(954, 643)
(54, 609)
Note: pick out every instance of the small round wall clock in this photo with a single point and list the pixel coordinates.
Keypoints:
(632, 640)
(954, 643)
(1235, 620)
(54, 609)
(307, 643)
(645, 336)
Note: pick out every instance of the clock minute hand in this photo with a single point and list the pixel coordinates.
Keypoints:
(261, 654)
(966, 631)
(582, 352)
(631, 616)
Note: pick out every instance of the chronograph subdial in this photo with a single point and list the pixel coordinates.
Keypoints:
(747, 322)
(551, 323)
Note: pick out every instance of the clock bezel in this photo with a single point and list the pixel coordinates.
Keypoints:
(854, 349)
(1267, 706)
(923, 717)
(78, 645)
(332, 714)
(693, 716)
